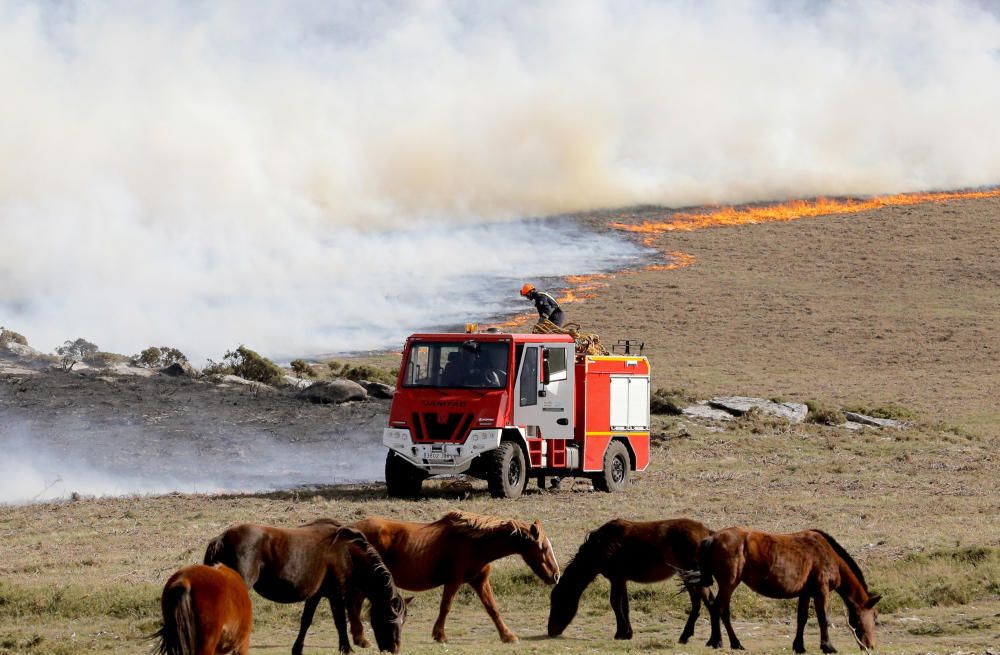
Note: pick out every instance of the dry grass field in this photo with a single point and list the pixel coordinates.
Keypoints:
(894, 307)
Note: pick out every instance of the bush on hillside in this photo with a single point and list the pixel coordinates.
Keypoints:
(9, 336)
(359, 372)
(161, 357)
(669, 401)
(73, 352)
(250, 365)
(302, 368)
(823, 415)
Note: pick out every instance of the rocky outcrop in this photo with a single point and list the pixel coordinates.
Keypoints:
(297, 383)
(863, 419)
(378, 389)
(739, 405)
(179, 369)
(333, 392)
(705, 411)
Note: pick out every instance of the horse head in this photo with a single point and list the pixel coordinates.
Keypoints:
(538, 554)
(387, 622)
(861, 617)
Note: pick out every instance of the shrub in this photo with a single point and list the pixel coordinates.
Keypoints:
(73, 352)
(820, 413)
(668, 401)
(9, 336)
(250, 365)
(161, 357)
(217, 368)
(301, 368)
(360, 372)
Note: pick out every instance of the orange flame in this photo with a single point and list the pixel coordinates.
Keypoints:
(788, 211)
(583, 287)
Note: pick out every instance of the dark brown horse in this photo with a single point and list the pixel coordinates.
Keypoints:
(807, 565)
(206, 611)
(624, 551)
(453, 550)
(322, 559)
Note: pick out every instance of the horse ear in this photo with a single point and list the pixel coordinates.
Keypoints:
(536, 530)
(409, 600)
(872, 601)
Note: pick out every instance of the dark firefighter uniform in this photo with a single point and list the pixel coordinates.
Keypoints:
(546, 306)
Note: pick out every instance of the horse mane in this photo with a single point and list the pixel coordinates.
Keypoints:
(380, 587)
(483, 525)
(844, 555)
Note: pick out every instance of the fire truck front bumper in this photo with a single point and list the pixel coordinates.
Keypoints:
(441, 458)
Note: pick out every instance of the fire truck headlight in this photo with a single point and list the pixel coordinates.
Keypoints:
(396, 439)
(480, 441)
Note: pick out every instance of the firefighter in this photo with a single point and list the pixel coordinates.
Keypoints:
(548, 308)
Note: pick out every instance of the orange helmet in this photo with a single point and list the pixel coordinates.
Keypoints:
(527, 288)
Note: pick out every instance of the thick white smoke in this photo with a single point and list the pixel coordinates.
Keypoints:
(315, 176)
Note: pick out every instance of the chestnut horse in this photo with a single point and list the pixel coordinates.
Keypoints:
(322, 559)
(453, 550)
(807, 564)
(206, 611)
(624, 551)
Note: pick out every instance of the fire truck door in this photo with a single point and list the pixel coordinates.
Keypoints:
(547, 406)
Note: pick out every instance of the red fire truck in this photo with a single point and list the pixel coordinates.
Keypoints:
(509, 407)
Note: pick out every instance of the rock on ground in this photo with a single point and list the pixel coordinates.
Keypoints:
(178, 369)
(378, 389)
(871, 420)
(333, 392)
(705, 411)
(739, 405)
(298, 383)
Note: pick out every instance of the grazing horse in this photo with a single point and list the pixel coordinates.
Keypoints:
(807, 564)
(322, 559)
(453, 550)
(625, 551)
(206, 611)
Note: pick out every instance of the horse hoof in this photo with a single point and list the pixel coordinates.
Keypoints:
(713, 643)
(509, 639)
(441, 639)
(623, 635)
(362, 643)
(683, 639)
(736, 646)
(827, 648)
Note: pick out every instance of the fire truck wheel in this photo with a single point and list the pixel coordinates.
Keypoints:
(402, 479)
(506, 473)
(617, 469)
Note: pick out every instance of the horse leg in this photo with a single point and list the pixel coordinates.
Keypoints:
(799, 645)
(354, 604)
(307, 618)
(339, 609)
(619, 603)
(697, 595)
(722, 605)
(481, 584)
(450, 589)
(824, 628)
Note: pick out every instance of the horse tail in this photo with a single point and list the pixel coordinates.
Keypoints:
(599, 546)
(213, 553)
(177, 636)
(705, 561)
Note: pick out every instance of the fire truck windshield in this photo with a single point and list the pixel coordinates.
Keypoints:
(458, 364)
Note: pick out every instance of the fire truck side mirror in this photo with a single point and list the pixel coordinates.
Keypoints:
(546, 375)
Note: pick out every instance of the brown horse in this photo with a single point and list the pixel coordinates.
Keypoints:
(807, 564)
(322, 559)
(206, 611)
(453, 550)
(624, 551)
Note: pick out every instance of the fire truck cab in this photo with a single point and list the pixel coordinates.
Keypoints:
(509, 407)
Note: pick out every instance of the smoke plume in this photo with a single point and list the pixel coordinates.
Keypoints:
(315, 176)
